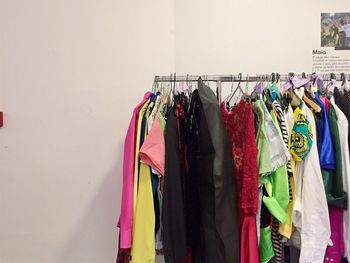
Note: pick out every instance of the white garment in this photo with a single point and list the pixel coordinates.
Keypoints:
(258, 215)
(313, 220)
(343, 125)
(278, 151)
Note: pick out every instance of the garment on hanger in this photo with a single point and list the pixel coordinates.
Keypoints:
(311, 218)
(193, 217)
(343, 126)
(344, 105)
(324, 139)
(126, 215)
(173, 217)
(152, 151)
(265, 180)
(216, 186)
(262, 141)
(239, 124)
(143, 248)
(336, 196)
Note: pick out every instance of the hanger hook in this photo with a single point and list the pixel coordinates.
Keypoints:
(247, 83)
(232, 80)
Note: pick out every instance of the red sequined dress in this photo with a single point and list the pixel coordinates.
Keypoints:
(239, 123)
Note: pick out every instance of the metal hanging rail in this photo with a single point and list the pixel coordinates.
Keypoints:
(243, 78)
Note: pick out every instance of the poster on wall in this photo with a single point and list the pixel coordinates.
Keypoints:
(333, 55)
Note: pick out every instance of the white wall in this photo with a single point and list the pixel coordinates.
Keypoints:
(248, 36)
(70, 73)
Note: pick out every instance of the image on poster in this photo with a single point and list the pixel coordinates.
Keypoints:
(333, 54)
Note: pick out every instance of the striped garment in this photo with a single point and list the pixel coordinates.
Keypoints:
(276, 236)
(280, 116)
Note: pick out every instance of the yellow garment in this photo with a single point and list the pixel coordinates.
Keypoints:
(143, 246)
(286, 228)
(137, 149)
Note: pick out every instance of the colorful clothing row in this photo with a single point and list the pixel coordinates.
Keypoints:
(255, 182)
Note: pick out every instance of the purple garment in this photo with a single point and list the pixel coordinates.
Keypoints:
(334, 253)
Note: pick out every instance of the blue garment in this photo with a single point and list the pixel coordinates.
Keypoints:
(324, 138)
(275, 94)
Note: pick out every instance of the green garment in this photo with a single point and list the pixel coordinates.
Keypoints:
(333, 180)
(265, 245)
(161, 118)
(262, 142)
(276, 186)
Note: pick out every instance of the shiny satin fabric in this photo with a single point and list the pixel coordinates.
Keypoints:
(216, 186)
(324, 139)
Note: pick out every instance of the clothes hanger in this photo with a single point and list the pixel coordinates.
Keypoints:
(231, 91)
(207, 81)
(227, 104)
(247, 85)
(342, 78)
(238, 88)
(278, 76)
(154, 84)
(267, 92)
(331, 86)
(171, 96)
(307, 96)
(273, 77)
(289, 94)
(344, 85)
(310, 101)
(218, 91)
(258, 89)
(189, 84)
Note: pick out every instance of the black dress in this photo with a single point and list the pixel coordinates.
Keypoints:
(173, 212)
(219, 239)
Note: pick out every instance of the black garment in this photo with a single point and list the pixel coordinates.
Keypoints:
(344, 104)
(192, 196)
(219, 240)
(173, 212)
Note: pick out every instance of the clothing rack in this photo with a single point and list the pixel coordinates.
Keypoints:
(242, 78)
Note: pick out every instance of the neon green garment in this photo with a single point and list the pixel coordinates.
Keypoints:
(265, 245)
(276, 186)
(279, 178)
(276, 195)
(264, 159)
(276, 201)
(286, 228)
(143, 246)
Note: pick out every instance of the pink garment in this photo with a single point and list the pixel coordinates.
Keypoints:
(325, 102)
(152, 151)
(126, 213)
(334, 253)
